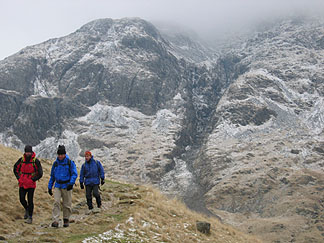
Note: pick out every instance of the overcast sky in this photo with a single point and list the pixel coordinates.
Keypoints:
(29, 22)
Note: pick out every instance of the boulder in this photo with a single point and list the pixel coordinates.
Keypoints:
(203, 227)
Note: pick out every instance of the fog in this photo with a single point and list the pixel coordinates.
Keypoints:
(25, 23)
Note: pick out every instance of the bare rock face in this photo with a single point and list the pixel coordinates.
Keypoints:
(10, 103)
(238, 135)
(100, 60)
(116, 87)
(262, 165)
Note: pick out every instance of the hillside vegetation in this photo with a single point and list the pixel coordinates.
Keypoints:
(130, 213)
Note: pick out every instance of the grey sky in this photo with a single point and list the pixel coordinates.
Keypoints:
(28, 22)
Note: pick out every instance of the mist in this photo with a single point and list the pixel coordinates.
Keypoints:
(25, 23)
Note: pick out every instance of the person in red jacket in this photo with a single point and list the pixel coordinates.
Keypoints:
(28, 170)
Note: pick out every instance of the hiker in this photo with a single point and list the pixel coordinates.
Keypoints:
(64, 174)
(28, 170)
(92, 174)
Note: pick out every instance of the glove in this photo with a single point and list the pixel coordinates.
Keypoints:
(102, 181)
(33, 179)
(69, 187)
(50, 192)
(81, 186)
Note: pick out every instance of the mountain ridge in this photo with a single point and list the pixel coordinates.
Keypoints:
(247, 120)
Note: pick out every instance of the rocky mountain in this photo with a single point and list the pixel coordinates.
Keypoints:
(263, 161)
(113, 86)
(187, 44)
(238, 135)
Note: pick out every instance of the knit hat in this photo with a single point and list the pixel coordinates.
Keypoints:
(61, 149)
(28, 148)
(87, 153)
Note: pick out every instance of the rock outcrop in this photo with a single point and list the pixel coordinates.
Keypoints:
(238, 135)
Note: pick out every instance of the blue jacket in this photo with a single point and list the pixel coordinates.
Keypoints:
(62, 173)
(92, 172)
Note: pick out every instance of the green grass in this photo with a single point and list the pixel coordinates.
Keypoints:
(117, 217)
(116, 183)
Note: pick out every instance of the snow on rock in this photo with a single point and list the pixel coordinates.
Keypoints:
(178, 180)
(48, 147)
(103, 115)
(315, 117)
(165, 121)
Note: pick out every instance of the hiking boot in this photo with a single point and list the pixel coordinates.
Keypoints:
(55, 224)
(26, 214)
(96, 210)
(29, 220)
(89, 211)
(65, 223)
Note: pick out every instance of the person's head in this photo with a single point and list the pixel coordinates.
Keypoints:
(28, 150)
(87, 155)
(61, 153)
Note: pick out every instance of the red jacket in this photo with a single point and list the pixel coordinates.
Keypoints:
(28, 172)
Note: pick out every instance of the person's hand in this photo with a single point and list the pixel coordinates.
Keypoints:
(33, 179)
(50, 192)
(69, 187)
(102, 181)
(81, 186)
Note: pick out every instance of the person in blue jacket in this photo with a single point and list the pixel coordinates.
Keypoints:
(64, 174)
(92, 174)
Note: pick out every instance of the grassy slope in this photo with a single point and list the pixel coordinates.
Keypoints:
(130, 214)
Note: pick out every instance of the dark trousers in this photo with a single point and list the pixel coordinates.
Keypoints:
(94, 189)
(30, 198)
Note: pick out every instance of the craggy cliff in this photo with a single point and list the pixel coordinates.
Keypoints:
(237, 133)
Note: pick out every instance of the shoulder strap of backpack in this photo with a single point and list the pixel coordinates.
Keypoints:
(69, 163)
(34, 164)
(19, 165)
(98, 167)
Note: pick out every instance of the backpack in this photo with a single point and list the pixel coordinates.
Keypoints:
(33, 163)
